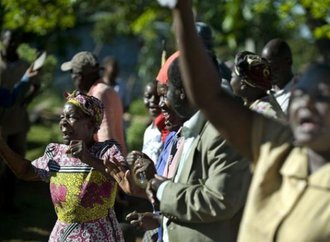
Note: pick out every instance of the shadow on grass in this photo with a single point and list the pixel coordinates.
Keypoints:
(35, 216)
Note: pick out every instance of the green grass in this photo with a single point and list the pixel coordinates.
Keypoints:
(39, 137)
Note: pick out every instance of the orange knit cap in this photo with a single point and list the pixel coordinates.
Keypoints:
(162, 76)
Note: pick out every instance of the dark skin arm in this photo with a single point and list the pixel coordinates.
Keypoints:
(21, 167)
(201, 83)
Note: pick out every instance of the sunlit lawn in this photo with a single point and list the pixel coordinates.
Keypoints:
(39, 137)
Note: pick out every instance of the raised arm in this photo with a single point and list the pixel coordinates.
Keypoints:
(23, 86)
(201, 80)
(21, 167)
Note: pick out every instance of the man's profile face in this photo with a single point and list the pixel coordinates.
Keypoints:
(172, 120)
(76, 77)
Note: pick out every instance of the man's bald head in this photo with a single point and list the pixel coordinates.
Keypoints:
(277, 48)
(278, 53)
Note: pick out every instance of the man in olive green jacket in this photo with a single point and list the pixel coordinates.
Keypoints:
(205, 198)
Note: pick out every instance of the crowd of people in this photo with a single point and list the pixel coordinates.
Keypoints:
(225, 158)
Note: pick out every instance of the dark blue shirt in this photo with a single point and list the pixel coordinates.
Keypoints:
(8, 98)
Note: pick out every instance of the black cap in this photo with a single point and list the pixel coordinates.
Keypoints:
(205, 32)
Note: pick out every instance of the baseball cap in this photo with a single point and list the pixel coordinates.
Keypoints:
(162, 76)
(205, 33)
(82, 61)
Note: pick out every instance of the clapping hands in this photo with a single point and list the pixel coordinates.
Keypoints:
(146, 220)
(142, 167)
(124, 177)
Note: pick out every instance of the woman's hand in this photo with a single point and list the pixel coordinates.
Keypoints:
(123, 177)
(78, 149)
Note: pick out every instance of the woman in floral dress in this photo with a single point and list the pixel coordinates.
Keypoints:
(82, 193)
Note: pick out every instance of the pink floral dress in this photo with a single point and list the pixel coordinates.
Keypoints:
(83, 198)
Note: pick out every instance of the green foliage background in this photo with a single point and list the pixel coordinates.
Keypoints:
(236, 23)
(138, 124)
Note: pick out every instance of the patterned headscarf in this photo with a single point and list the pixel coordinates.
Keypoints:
(90, 105)
(254, 70)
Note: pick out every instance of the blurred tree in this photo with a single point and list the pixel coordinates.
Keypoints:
(317, 18)
(236, 23)
(144, 20)
(38, 20)
(36, 16)
(41, 21)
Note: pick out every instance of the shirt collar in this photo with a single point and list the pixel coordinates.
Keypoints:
(287, 88)
(194, 125)
(296, 165)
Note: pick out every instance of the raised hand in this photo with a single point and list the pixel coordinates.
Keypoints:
(30, 72)
(168, 3)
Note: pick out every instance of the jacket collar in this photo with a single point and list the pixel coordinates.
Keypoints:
(296, 167)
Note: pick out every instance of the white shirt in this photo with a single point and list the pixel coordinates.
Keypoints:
(152, 142)
(283, 96)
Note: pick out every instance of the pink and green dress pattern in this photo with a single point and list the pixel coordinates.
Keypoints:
(83, 198)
